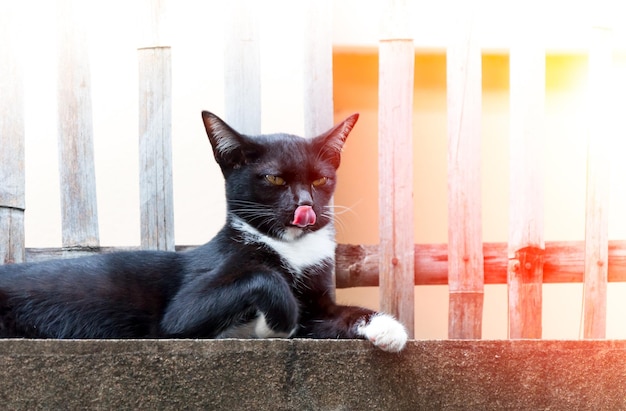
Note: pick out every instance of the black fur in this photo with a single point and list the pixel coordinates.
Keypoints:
(216, 287)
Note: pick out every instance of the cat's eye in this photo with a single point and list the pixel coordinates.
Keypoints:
(320, 182)
(275, 180)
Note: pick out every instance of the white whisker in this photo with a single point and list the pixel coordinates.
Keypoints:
(334, 213)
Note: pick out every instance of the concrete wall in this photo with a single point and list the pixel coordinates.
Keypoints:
(311, 375)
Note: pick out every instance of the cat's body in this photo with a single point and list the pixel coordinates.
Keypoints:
(267, 273)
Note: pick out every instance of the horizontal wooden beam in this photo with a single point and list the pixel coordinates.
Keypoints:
(357, 265)
(44, 254)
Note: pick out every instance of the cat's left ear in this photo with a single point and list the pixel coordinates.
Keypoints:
(332, 141)
(231, 149)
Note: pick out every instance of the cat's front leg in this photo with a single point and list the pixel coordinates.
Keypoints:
(325, 319)
(258, 304)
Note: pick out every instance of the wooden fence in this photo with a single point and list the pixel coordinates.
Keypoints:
(465, 263)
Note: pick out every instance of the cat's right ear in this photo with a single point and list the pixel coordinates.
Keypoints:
(231, 149)
(334, 139)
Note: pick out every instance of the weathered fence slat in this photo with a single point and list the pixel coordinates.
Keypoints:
(395, 165)
(155, 148)
(596, 224)
(242, 68)
(465, 250)
(526, 239)
(318, 67)
(76, 153)
(12, 176)
(156, 187)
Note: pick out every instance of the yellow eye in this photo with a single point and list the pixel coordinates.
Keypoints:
(276, 180)
(320, 182)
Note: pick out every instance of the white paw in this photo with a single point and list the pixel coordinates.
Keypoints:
(385, 332)
(263, 330)
(257, 328)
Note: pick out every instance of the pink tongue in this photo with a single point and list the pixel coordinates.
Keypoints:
(304, 216)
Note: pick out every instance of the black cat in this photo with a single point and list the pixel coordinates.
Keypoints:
(267, 273)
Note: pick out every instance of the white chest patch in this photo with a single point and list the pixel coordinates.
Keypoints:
(299, 253)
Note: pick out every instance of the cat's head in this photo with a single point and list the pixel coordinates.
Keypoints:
(280, 184)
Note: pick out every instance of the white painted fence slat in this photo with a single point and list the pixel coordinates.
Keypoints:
(155, 149)
(242, 68)
(526, 234)
(156, 187)
(318, 67)
(156, 191)
(465, 248)
(76, 152)
(12, 176)
(596, 224)
(395, 165)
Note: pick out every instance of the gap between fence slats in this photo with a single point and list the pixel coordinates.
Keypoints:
(395, 166)
(597, 201)
(526, 232)
(76, 153)
(465, 261)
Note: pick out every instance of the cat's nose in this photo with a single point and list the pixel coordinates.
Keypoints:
(304, 198)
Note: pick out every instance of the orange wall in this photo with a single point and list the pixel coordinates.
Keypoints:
(356, 90)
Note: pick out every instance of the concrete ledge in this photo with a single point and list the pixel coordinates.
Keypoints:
(311, 375)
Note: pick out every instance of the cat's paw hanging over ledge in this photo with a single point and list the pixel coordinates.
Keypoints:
(385, 332)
